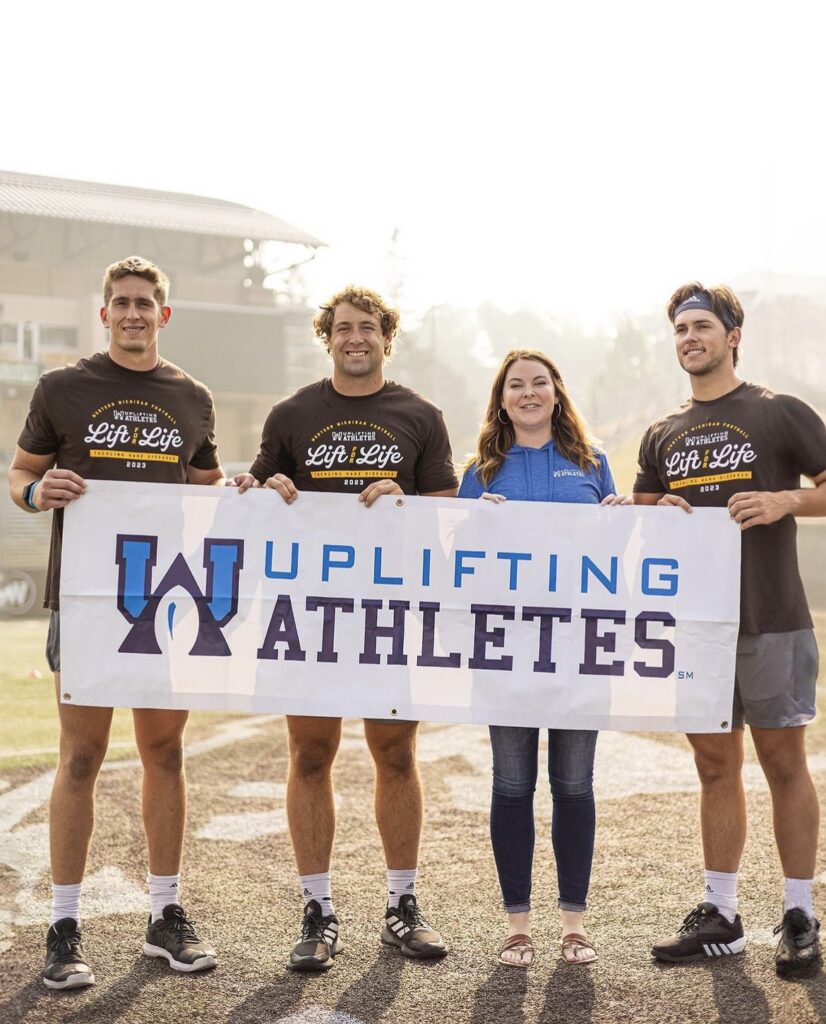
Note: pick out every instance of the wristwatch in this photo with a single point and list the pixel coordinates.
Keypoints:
(28, 495)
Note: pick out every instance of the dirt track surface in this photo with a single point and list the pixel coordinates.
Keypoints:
(239, 885)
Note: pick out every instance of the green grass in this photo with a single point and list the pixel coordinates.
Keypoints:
(623, 462)
(28, 716)
(28, 719)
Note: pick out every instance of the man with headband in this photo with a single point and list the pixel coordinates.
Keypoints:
(741, 446)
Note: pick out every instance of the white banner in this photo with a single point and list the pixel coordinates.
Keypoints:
(447, 610)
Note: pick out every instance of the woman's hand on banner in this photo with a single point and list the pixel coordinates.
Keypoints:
(243, 481)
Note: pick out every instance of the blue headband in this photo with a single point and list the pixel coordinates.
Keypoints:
(702, 300)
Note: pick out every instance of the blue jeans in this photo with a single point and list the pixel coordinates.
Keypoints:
(512, 833)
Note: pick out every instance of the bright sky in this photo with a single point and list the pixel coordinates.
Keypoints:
(577, 157)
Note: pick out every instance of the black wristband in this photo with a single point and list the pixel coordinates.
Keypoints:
(28, 491)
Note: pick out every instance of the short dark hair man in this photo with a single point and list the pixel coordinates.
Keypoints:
(108, 417)
(740, 446)
(398, 445)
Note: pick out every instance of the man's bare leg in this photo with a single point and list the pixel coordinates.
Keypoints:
(398, 790)
(170, 935)
(311, 813)
(399, 817)
(310, 808)
(159, 736)
(782, 754)
(719, 761)
(84, 738)
(714, 928)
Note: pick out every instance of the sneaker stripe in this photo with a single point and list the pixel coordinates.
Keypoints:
(704, 932)
(404, 927)
(723, 948)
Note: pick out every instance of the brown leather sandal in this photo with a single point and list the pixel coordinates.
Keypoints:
(521, 944)
(571, 946)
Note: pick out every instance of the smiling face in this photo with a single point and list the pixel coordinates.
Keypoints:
(134, 317)
(528, 399)
(357, 348)
(704, 346)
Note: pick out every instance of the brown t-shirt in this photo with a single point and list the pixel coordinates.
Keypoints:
(105, 422)
(325, 441)
(748, 440)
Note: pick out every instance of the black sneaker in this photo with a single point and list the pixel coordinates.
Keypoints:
(406, 928)
(798, 951)
(66, 965)
(705, 932)
(318, 942)
(173, 937)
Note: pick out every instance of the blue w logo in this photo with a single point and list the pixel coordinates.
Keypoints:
(138, 602)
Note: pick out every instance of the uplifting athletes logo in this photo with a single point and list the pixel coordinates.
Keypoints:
(138, 602)
(134, 430)
(710, 454)
(354, 451)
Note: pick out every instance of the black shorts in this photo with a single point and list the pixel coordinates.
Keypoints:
(53, 641)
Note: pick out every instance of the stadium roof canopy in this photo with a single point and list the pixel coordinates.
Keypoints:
(87, 201)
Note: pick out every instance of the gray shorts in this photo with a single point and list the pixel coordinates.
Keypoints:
(53, 641)
(774, 682)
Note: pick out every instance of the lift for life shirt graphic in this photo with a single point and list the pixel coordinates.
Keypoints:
(708, 455)
(354, 452)
(135, 431)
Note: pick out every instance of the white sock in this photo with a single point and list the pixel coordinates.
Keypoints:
(65, 903)
(721, 890)
(400, 883)
(163, 890)
(318, 888)
(798, 893)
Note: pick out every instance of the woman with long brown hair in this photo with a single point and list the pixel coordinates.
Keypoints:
(534, 446)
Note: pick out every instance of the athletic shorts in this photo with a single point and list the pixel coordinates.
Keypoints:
(53, 641)
(774, 682)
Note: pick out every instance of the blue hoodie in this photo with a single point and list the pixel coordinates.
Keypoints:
(543, 474)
